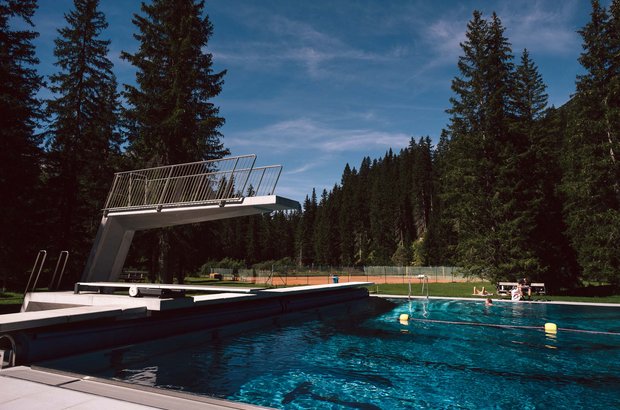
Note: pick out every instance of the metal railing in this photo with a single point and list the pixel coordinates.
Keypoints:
(38, 268)
(196, 183)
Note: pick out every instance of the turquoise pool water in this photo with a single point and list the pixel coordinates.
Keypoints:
(371, 360)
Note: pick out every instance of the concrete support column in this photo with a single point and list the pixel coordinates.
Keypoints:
(109, 251)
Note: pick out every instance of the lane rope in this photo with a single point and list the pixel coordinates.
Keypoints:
(450, 322)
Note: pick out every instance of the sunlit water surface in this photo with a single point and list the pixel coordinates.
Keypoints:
(372, 360)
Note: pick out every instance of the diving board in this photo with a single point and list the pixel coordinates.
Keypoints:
(178, 195)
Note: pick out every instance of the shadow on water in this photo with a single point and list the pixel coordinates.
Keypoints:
(304, 389)
(216, 362)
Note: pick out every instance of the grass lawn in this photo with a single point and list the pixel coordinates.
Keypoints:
(10, 302)
(464, 290)
(8, 298)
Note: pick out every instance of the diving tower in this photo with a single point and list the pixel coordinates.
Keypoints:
(177, 195)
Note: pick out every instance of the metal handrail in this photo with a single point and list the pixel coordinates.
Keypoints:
(64, 256)
(40, 256)
(196, 183)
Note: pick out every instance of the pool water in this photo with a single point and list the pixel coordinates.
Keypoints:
(371, 360)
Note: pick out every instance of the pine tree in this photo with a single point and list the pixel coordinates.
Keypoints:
(326, 236)
(469, 185)
(486, 194)
(20, 155)
(591, 170)
(361, 194)
(383, 210)
(347, 216)
(82, 137)
(305, 232)
(439, 244)
(539, 131)
(171, 118)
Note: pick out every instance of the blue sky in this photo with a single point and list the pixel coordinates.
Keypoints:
(313, 85)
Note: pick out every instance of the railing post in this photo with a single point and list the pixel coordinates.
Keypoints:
(163, 192)
(107, 203)
(64, 254)
(260, 181)
(245, 183)
(273, 189)
(42, 253)
(130, 188)
(231, 182)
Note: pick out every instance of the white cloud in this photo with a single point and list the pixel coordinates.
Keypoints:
(443, 38)
(280, 40)
(303, 168)
(307, 134)
(544, 27)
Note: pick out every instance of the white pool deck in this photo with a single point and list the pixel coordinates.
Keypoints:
(33, 389)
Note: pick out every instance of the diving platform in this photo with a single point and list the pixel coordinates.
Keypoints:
(178, 195)
(102, 313)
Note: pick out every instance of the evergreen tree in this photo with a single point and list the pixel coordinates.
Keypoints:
(305, 232)
(486, 193)
(321, 238)
(82, 138)
(591, 169)
(439, 244)
(423, 194)
(383, 210)
(540, 131)
(361, 192)
(171, 118)
(529, 97)
(20, 155)
(347, 217)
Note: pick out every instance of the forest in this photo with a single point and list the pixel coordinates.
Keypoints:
(511, 187)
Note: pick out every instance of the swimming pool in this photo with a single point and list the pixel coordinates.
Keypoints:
(371, 360)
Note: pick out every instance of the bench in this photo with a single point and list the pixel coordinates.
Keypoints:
(538, 288)
(132, 276)
(504, 288)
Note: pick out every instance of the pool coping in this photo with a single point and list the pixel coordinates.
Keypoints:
(546, 302)
(42, 387)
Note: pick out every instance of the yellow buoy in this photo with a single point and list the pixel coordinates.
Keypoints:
(403, 317)
(551, 328)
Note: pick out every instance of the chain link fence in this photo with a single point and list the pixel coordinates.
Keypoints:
(314, 275)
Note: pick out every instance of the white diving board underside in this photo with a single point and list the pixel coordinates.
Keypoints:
(139, 219)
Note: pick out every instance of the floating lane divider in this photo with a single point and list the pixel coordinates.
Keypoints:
(404, 319)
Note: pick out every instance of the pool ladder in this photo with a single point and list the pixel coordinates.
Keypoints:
(38, 267)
